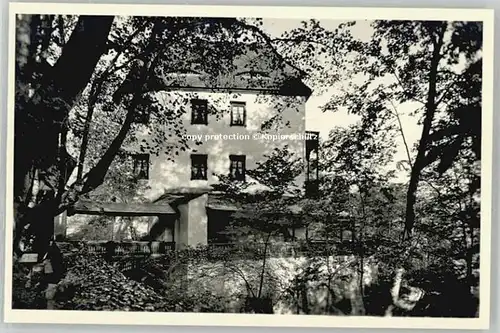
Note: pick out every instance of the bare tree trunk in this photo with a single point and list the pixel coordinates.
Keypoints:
(261, 282)
(396, 287)
(94, 91)
(305, 299)
(430, 108)
(329, 272)
(37, 122)
(357, 303)
(38, 119)
(358, 306)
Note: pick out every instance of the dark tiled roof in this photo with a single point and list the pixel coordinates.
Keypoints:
(244, 67)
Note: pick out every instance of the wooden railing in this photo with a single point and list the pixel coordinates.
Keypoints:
(245, 249)
(111, 248)
(284, 249)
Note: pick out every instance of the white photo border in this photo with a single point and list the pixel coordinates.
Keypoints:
(203, 319)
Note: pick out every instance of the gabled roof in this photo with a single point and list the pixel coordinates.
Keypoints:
(247, 66)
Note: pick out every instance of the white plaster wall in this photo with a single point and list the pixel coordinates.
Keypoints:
(197, 221)
(164, 174)
(114, 228)
(181, 227)
(191, 227)
(168, 235)
(215, 277)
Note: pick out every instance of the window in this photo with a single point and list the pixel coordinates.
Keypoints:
(253, 74)
(141, 116)
(238, 113)
(141, 166)
(237, 167)
(184, 71)
(198, 167)
(199, 112)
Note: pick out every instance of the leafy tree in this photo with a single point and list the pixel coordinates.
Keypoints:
(353, 163)
(427, 76)
(264, 218)
(92, 111)
(44, 96)
(423, 62)
(432, 67)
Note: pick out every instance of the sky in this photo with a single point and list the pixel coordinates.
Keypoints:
(317, 120)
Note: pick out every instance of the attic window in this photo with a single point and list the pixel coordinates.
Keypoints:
(253, 75)
(182, 73)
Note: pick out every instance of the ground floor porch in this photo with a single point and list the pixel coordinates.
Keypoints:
(176, 220)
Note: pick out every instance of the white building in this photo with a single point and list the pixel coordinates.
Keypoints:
(231, 124)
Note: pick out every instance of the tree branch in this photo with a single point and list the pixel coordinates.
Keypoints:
(261, 283)
(96, 175)
(310, 41)
(445, 92)
(420, 160)
(266, 38)
(400, 125)
(240, 273)
(398, 79)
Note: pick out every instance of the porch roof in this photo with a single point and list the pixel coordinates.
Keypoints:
(122, 209)
(223, 201)
(220, 202)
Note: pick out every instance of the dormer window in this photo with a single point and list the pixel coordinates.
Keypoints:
(183, 72)
(141, 116)
(238, 113)
(199, 112)
(253, 75)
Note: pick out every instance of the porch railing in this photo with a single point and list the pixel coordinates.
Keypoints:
(284, 249)
(244, 249)
(111, 248)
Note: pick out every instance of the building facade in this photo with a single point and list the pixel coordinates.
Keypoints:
(228, 128)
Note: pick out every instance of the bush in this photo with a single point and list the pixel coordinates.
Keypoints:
(93, 284)
(27, 293)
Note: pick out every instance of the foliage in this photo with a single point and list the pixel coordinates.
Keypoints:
(95, 117)
(424, 63)
(93, 284)
(432, 67)
(279, 169)
(27, 288)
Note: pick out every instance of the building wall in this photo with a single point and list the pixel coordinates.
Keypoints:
(249, 140)
(197, 223)
(181, 227)
(92, 227)
(60, 226)
(165, 174)
(191, 227)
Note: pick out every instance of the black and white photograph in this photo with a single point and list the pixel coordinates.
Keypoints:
(205, 162)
